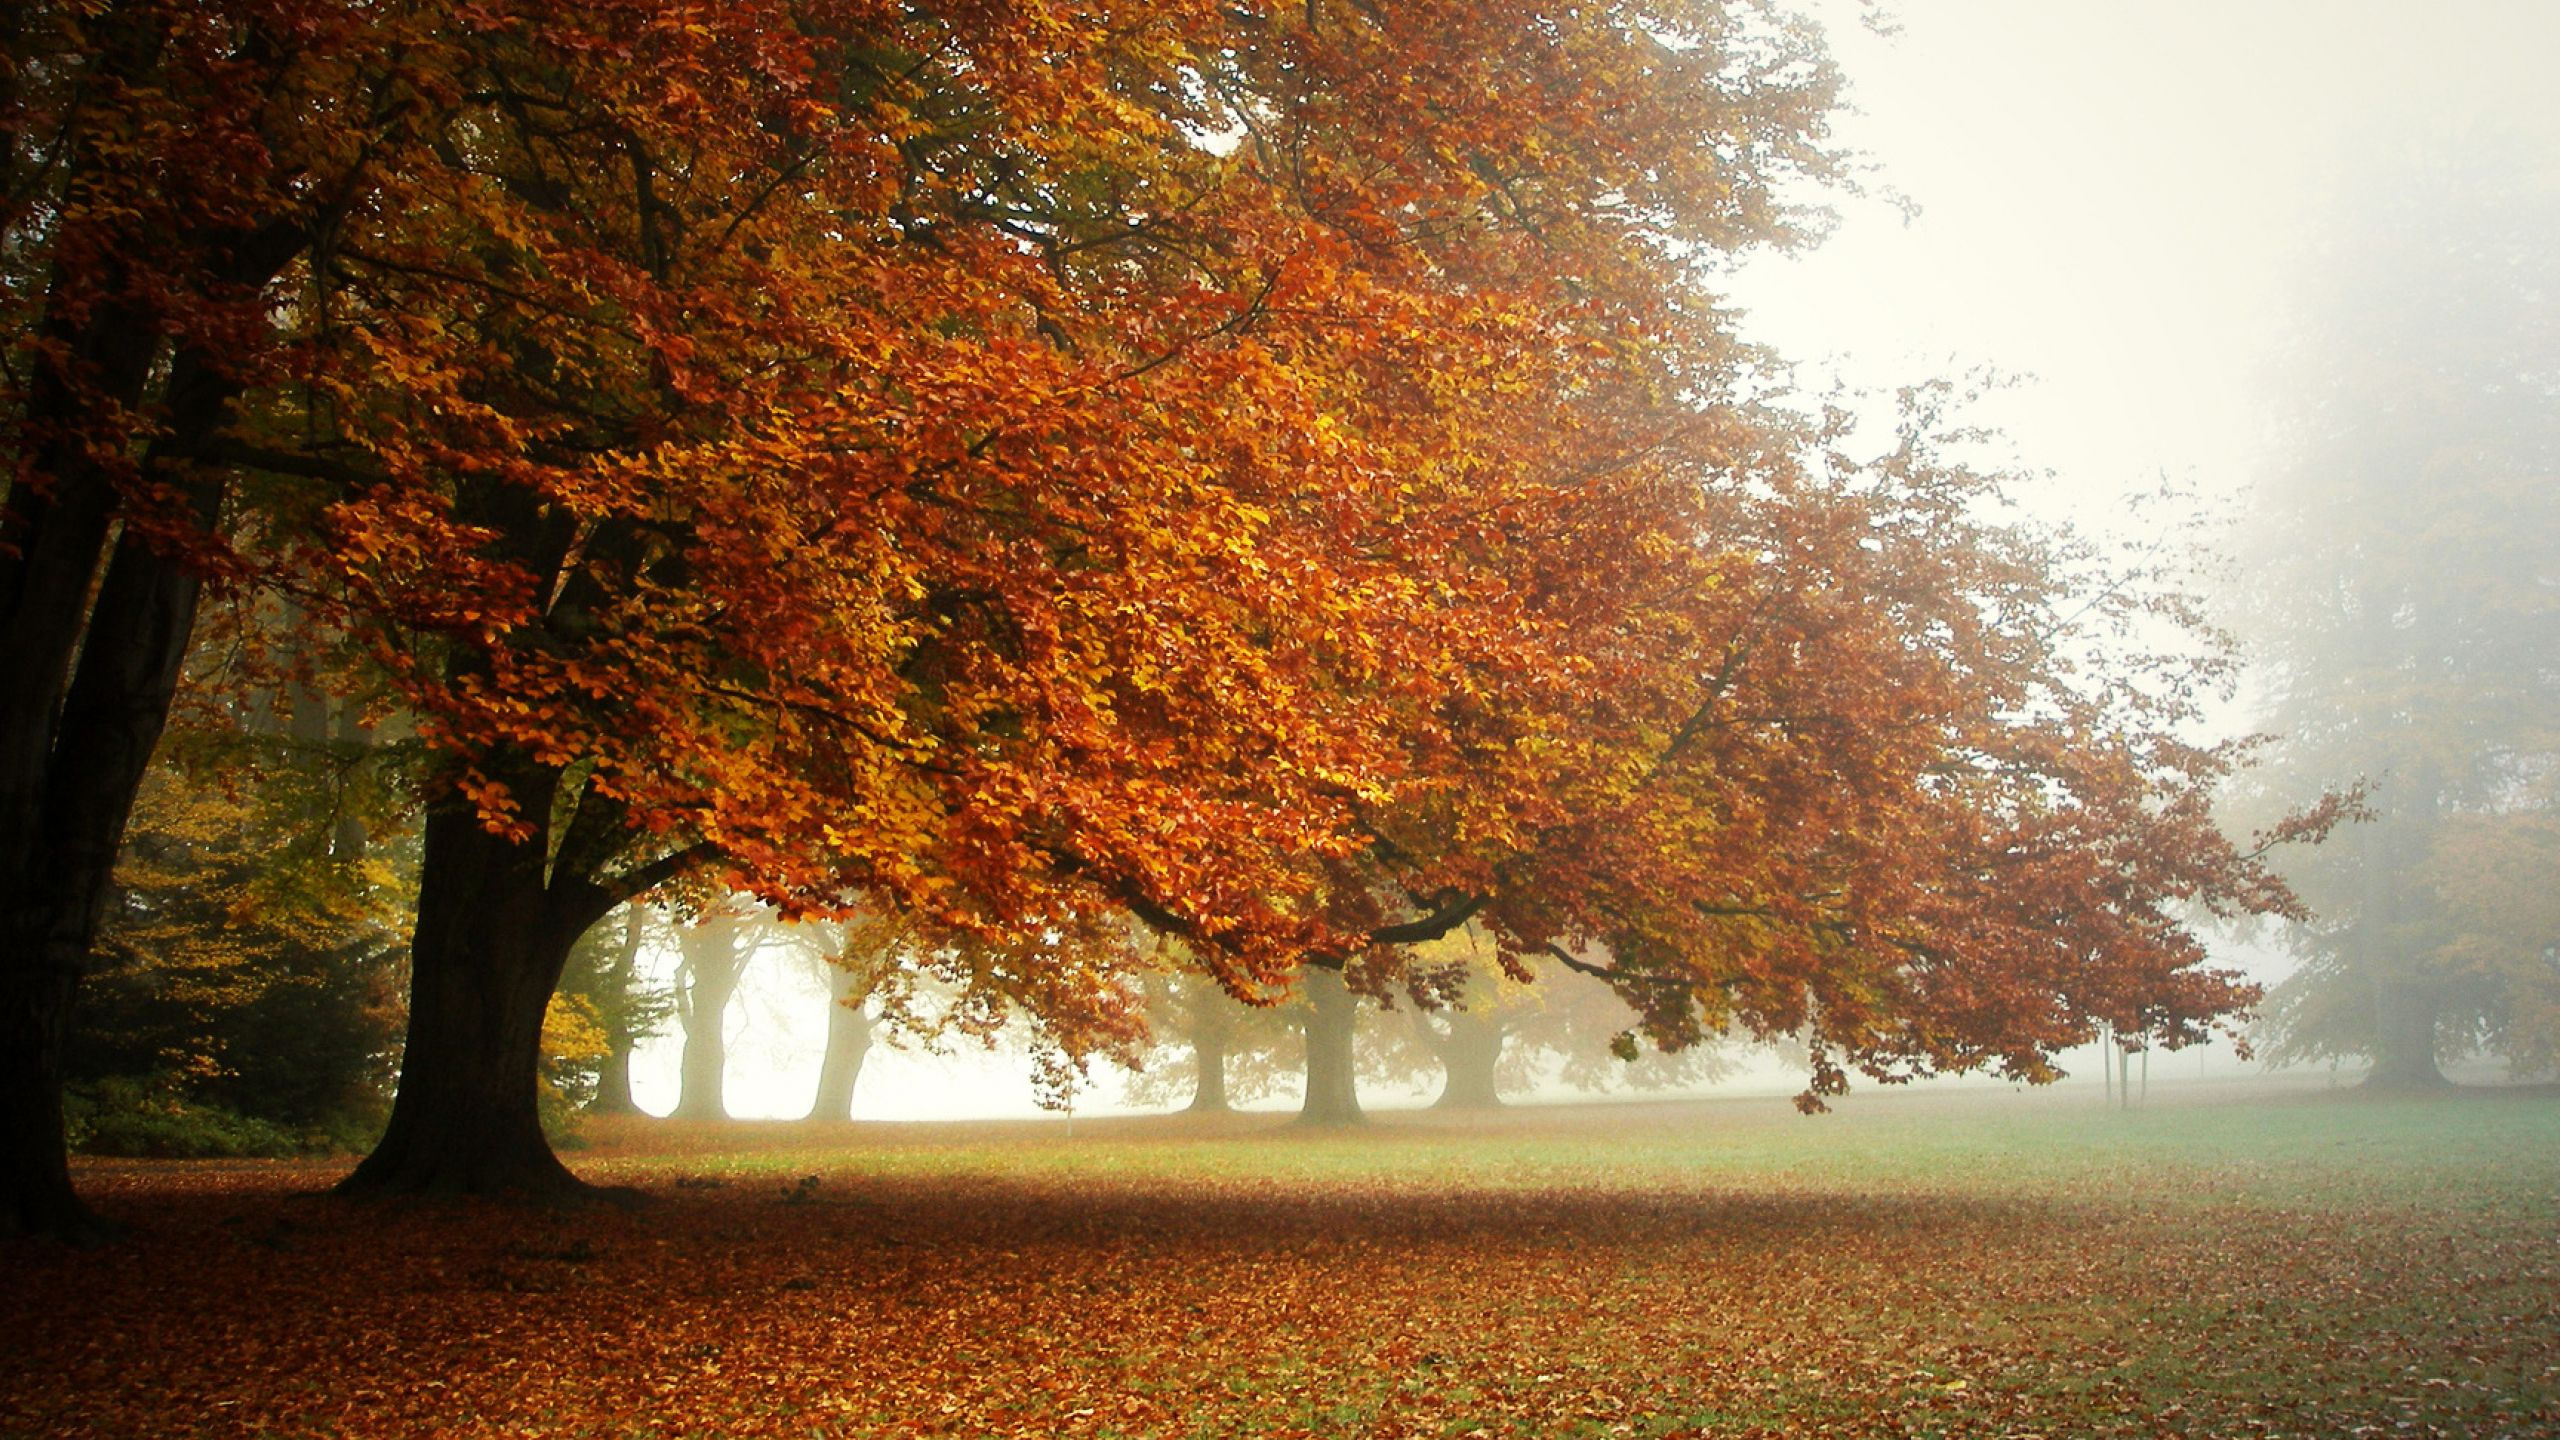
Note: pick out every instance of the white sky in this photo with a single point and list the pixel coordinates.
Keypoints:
(2109, 198)
(2109, 195)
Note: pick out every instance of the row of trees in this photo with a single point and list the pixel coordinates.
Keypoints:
(242, 1006)
(1275, 474)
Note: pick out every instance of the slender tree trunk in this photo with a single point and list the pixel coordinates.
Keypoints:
(619, 977)
(714, 959)
(1470, 1052)
(1333, 1096)
(490, 944)
(613, 1083)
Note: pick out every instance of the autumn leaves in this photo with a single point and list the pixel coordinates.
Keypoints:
(1270, 474)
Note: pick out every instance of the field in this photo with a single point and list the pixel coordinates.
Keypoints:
(1975, 1264)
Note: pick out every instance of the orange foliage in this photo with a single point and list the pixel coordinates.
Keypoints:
(1273, 470)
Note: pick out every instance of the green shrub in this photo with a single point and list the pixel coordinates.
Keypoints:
(136, 1118)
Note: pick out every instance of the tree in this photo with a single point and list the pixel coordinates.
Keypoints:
(605, 972)
(1485, 1032)
(1206, 1044)
(1881, 773)
(852, 978)
(167, 164)
(249, 957)
(714, 949)
(2399, 582)
(975, 488)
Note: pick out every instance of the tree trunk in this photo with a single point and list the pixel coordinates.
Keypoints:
(54, 532)
(490, 944)
(1209, 1062)
(1469, 1052)
(714, 959)
(1333, 1096)
(613, 1081)
(617, 977)
(848, 1045)
(69, 770)
(2404, 1038)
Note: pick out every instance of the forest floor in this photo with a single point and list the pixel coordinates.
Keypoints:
(1973, 1264)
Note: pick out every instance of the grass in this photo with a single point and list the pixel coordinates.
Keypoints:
(1938, 1263)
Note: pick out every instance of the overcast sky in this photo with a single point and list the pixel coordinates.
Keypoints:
(2110, 195)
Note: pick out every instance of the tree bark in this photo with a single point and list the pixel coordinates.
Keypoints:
(1470, 1052)
(70, 769)
(491, 941)
(848, 1045)
(1333, 1096)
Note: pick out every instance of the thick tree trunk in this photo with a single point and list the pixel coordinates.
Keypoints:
(2404, 1034)
(1333, 1096)
(848, 1045)
(1470, 1052)
(714, 959)
(491, 942)
(1209, 1061)
(52, 536)
(68, 775)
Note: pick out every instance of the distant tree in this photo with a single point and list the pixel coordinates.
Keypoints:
(713, 950)
(1202, 1020)
(1479, 1031)
(861, 960)
(849, 1041)
(2495, 872)
(2401, 585)
(1208, 1049)
(605, 972)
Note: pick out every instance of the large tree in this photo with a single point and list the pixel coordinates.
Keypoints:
(2400, 587)
(982, 461)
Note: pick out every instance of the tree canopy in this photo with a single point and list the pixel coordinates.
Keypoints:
(1280, 472)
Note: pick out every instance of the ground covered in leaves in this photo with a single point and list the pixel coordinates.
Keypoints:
(1988, 1264)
